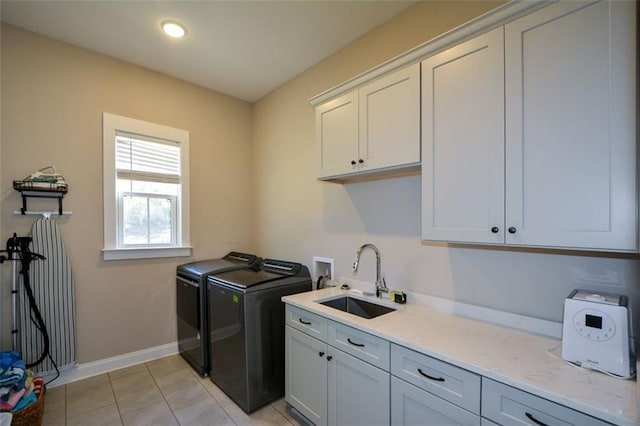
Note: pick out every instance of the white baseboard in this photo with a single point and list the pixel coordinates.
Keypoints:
(90, 369)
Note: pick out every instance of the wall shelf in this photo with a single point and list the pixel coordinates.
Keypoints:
(46, 214)
(29, 189)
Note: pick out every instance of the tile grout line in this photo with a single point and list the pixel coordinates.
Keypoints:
(115, 399)
(164, 397)
(65, 405)
(225, 411)
(219, 404)
(214, 397)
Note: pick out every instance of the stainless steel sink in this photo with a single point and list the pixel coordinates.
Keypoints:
(358, 307)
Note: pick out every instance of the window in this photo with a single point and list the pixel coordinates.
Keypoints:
(146, 188)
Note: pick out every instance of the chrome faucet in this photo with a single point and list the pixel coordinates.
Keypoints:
(381, 285)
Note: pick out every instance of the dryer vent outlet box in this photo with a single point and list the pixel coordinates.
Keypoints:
(322, 266)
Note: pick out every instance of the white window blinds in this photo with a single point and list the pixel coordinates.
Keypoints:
(146, 189)
(142, 158)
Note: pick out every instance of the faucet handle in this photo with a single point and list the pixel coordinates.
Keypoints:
(381, 287)
(382, 284)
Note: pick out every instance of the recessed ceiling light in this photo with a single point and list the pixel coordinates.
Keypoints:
(173, 29)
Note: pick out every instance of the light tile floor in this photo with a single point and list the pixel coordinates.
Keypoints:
(161, 392)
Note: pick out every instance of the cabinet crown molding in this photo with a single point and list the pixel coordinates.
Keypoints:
(494, 18)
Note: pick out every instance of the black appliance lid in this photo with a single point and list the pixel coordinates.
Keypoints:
(245, 278)
(233, 260)
(271, 270)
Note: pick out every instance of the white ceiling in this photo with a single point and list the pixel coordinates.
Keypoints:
(242, 48)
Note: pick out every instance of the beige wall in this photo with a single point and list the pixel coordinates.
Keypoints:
(298, 217)
(53, 97)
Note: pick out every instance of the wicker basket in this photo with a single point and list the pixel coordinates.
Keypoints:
(32, 415)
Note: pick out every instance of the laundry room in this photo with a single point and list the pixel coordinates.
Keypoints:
(252, 187)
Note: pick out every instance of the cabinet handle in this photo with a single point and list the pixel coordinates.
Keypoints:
(304, 322)
(533, 419)
(361, 161)
(437, 379)
(360, 345)
(321, 354)
(353, 162)
(512, 230)
(329, 357)
(495, 230)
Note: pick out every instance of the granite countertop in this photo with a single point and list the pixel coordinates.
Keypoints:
(524, 360)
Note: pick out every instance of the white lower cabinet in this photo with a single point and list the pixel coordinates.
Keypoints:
(306, 375)
(509, 406)
(358, 392)
(340, 376)
(426, 391)
(330, 386)
(412, 406)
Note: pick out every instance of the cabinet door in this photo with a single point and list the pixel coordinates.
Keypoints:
(390, 120)
(411, 406)
(358, 392)
(306, 375)
(337, 136)
(463, 142)
(570, 126)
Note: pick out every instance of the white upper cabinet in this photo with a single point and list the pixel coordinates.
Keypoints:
(463, 142)
(390, 120)
(571, 126)
(375, 128)
(538, 149)
(337, 135)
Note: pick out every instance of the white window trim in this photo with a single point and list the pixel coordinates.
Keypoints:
(111, 123)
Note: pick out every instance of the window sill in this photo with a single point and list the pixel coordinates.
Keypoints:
(145, 253)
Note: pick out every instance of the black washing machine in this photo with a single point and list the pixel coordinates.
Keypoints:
(246, 322)
(192, 304)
